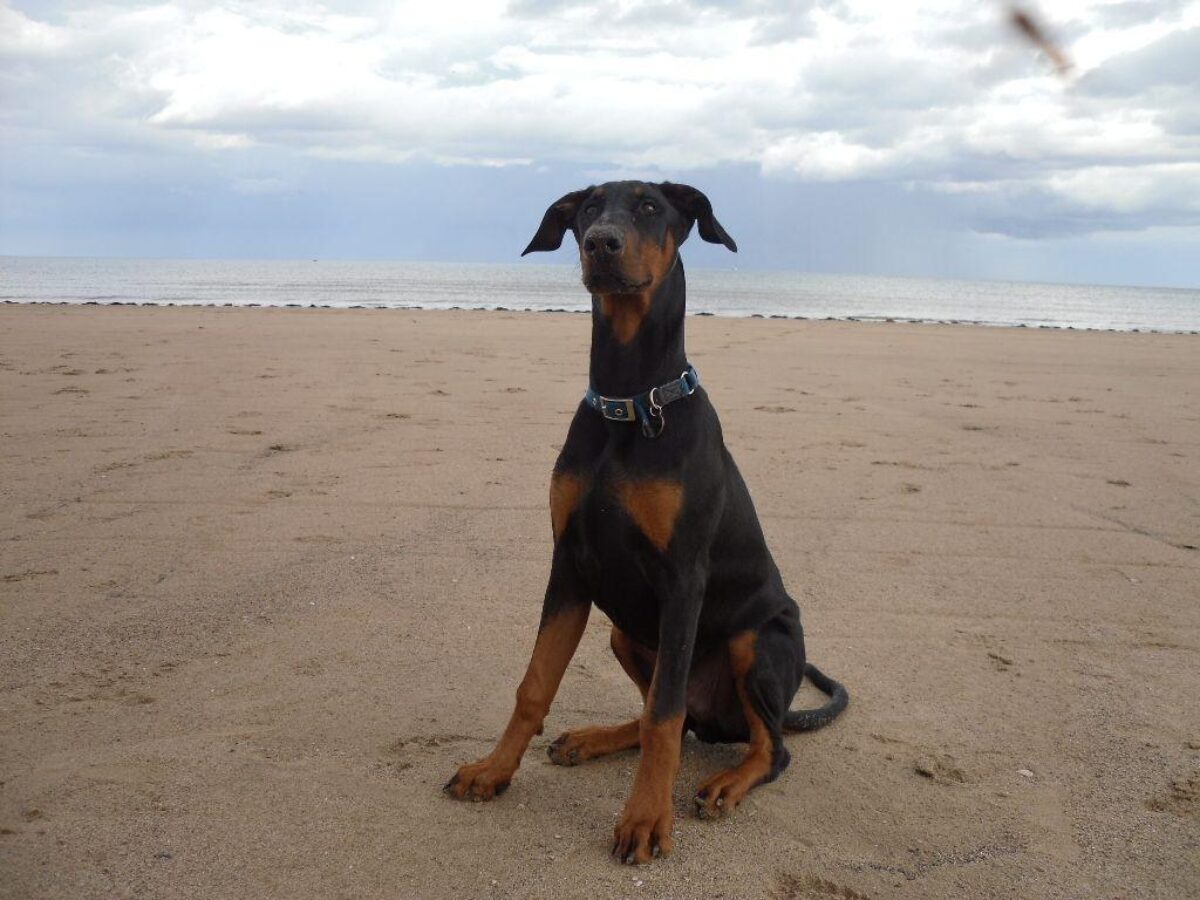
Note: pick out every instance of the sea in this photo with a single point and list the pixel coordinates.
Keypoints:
(737, 293)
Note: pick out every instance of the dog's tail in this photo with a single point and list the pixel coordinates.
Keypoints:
(812, 719)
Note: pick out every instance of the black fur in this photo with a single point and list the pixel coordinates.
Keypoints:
(660, 533)
(716, 578)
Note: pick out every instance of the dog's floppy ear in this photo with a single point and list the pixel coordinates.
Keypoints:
(558, 218)
(693, 205)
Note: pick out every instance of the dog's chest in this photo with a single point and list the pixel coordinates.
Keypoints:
(612, 550)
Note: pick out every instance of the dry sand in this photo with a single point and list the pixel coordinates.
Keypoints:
(269, 576)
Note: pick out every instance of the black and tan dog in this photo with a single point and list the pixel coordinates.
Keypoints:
(653, 523)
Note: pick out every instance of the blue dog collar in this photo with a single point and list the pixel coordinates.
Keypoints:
(645, 408)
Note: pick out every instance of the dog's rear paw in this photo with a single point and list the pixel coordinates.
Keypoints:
(574, 747)
(721, 794)
(478, 781)
(567, 750)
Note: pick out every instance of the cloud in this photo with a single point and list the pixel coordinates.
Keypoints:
(932, 97)
(828, 156)
(1169, 63)
(1134, 12)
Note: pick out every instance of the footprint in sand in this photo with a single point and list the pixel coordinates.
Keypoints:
(1002, 663)
(312, 667)
(1181, 799)
(798, 887)
(28, 574)
(168, 454)
(941, 768)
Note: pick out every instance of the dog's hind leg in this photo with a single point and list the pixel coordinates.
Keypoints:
(583, 744)
(764, 665)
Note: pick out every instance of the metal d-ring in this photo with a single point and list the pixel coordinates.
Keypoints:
(655, 406)
(654, 417)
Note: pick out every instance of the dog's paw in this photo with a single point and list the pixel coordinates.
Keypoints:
(643, 833)
(721, 794)
(478, 781)
(582, 744)
(567, 750)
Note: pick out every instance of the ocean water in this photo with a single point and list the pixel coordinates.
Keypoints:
(412, 285)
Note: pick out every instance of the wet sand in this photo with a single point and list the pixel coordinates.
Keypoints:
(269, 576)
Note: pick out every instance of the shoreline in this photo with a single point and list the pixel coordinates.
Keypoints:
(865, 320)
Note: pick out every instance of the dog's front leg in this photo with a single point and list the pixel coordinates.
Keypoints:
(564, 618)
(644, 830)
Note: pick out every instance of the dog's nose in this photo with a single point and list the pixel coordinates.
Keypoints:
(602, 242)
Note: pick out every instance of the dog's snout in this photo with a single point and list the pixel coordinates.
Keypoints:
(602, 242)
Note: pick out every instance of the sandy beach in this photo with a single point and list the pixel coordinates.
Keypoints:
(268, 576)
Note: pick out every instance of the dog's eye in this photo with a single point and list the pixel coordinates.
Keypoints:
(590, 209)
(649, 207)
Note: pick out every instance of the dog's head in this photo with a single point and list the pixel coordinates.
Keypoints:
(628, 232)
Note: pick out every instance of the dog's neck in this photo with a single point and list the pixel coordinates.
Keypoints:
(637, 339)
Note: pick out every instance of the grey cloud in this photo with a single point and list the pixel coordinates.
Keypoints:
(95, 97)
(545, 7)
(1138, 12)
(878, 80)
(774, 20)
(1183, 119)
(1174, 60)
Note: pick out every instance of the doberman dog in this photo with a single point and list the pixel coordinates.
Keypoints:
(653, 523)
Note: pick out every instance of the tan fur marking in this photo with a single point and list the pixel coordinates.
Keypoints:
(654, 507)
(555, 645)
(626, 311)
(741, 656)
(565, 490)
(648, 814)
(657, 260)
(660, 742)
(721, 794)
(583, 744)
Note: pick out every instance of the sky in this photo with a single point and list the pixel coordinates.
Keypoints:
(918, 138)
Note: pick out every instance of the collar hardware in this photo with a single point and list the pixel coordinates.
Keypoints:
(645, 408)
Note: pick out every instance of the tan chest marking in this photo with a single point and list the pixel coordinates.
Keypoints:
(654, 506)
(565, 491)
(625, 313)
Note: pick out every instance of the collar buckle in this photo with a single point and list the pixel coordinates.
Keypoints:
(620, 409)
(647, 408)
